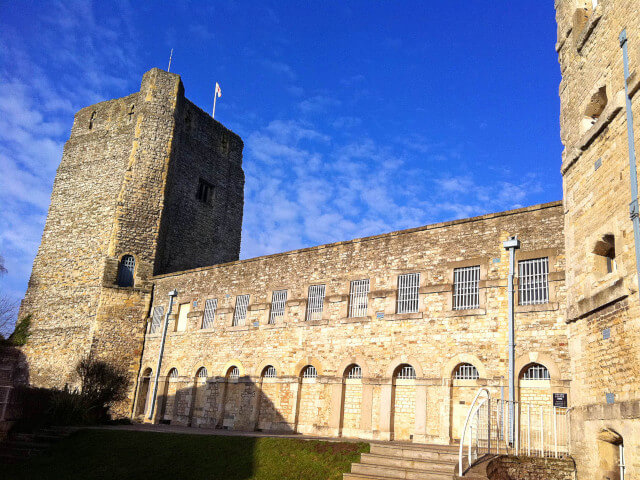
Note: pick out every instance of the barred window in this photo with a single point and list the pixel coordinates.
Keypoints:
(156, 320)
(533, 281)
(173, 373)
(234, 373)
(358, 298)
(466, 288)
(309, 372)
(536, 371)
(466, 371)
(408, 285)
(201, 373)
(269, 372)
(354, 371)
(405, 372)
(204, 191)
(125, 271)
(278, 302)
(240, 313)
(315, 302)
(210, 307)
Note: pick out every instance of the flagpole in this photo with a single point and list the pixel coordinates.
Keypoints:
(215, 97)
(170, 57)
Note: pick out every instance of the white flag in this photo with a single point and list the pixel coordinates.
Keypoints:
(218, 90)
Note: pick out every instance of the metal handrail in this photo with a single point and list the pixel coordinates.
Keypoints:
(472, 411)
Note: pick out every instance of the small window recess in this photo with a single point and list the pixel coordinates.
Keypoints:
(131, 114)
(224, 144)
(92, 119)
(205, 190)
(592, 112)
(605, 251)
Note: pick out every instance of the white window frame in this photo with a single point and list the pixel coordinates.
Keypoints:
(315, 302)
(278, 303)
(240, 312)
(210, 307)
(156, 319)
(234, 373)
(533, 281)
(269, 372)
(466, 288)
(359, 298)
(407, 372)
(201, 373)
(537, 371)
(354, 372)
(173, 373)
(309, 372)
(466, 371)
(408, 293)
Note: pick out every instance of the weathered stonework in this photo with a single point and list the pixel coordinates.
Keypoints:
(603, 311)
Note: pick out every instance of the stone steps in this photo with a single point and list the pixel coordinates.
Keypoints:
(20, 446)
(391, 461)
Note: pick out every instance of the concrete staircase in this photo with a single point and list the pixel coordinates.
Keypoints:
(388, 461)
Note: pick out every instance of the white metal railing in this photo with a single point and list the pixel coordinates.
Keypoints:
(358, 298)
(466, 288)
(539, 430)
(5, 396)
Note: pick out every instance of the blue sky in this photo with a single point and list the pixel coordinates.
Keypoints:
(358, 117)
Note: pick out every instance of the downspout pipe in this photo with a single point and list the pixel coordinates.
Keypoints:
(634, 210)
(172, 295)
(512, 244)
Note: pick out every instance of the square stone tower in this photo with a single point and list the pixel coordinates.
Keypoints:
(148, 184)
(603, 308)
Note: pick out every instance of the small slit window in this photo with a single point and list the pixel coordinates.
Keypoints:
(408, 286)
(315, 302)
(309, 372)
(536, 371)
(234, 373)
(126, 270)
(204, 192)
(533, 281)
(466, 288)
(278, 302)
(131, 114)
(156, 319)
(466, 371)
(406, 372)
(240, 312)
(92, 120)
(605, 250)
(269, 372)
(359, 298)
(354, 372)
(210, 307)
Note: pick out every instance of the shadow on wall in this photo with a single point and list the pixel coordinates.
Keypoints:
(14, 372)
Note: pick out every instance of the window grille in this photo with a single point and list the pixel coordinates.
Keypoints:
(240, 313)
(202, 373)
(406, 372)
(173, 373)
(466, 291)
(408, 286)
(533, 281)
(156, 320)
(125, 271)
(536, 372)
(204, 191)
(278, 301)
(309, 372)
(315, 302)
(234, 373)
(466, 371)
(359, 298)
(210, 307)
(269, 372)
(354, 372)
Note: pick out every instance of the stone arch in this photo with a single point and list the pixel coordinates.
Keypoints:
(610, 453)
(233, 363)
(449, 367)
(309, 412)
(257, 373)
(357, 360)
(402, 359)
(535, 357)
(144, 391)
(535, 392)
(353, 407)
(297, 371)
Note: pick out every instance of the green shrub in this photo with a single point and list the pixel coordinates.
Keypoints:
(21, 332)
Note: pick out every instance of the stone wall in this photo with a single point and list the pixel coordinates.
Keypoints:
(603, 313)
(434, 340)
(531, 468)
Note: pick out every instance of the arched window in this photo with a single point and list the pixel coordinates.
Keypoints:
(233, 373)
(173, 373)
(309, 372)
(91, 120)
(353, 371)
(125, 271)
(536, 371)
(269, 372)
(465, 371)
(201, 373)
(405, 372)
(147, 372)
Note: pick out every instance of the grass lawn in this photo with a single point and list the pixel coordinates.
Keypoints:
(120, 454)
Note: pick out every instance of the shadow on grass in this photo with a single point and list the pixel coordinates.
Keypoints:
(109, 454)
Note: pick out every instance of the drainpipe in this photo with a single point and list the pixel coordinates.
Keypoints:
(511, 245)
(633, 174)
(172, 295)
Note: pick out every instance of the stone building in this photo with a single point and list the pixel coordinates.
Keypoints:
(386, 337)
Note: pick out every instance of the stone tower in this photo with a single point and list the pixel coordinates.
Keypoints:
(602, 284)
(148, 184)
